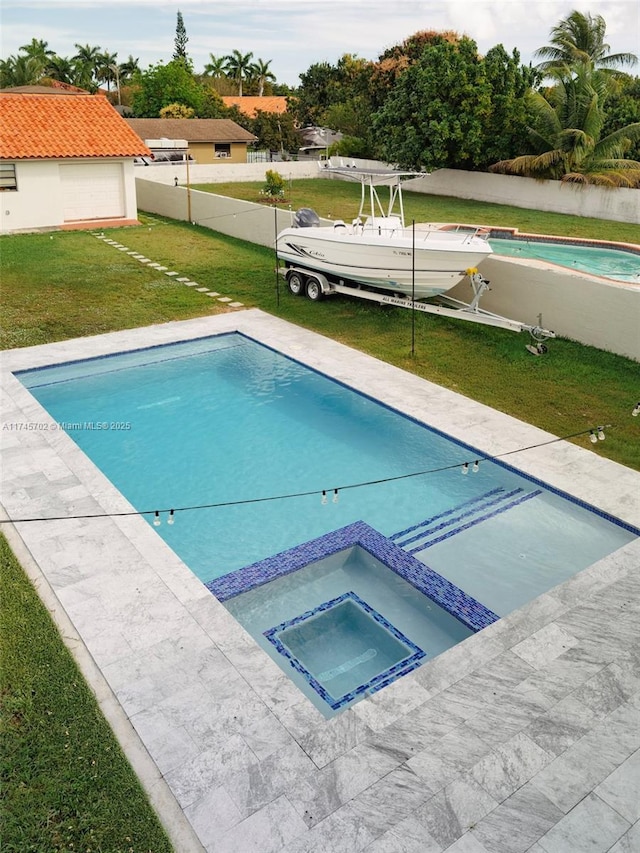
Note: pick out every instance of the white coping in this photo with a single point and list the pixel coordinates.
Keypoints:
(240, 759)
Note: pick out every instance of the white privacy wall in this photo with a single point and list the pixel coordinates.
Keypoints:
(584, 308)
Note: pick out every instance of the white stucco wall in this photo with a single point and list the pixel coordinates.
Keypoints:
(617, 204)
(212, 173)
(584, 308)
(38, 201)
(594, 311)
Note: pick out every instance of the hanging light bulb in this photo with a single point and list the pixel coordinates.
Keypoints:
(465, 468)
(476, 465)
(156, 520)
(323, 500)
(636, 410)
(601, 433)
(171, 518)
(593, 438)
(335, 496)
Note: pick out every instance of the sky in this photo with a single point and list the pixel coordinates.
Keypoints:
(295, 34)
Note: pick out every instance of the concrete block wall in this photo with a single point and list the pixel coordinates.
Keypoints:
(617, 204)
(587, 309)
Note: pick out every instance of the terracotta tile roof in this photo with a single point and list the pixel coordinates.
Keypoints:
(249, 105)
(36, 127)
(191, 129)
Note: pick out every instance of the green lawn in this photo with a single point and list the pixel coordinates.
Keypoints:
(341, 199)
(67, 787)
(66, 783)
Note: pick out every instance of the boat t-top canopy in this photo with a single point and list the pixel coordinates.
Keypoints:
(372, 177)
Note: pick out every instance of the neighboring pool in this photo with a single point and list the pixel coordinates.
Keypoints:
(226, 421)
(613, 263)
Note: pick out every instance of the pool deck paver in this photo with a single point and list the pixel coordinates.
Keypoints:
(525, 737)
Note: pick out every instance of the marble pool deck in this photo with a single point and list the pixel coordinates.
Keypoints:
(524, 737)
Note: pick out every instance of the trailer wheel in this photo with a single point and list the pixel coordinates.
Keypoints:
(314, 290)
(296, 283)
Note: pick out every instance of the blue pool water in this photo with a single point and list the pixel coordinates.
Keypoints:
(339, 670)
(616, 264)
(343, 645)
(225, 421)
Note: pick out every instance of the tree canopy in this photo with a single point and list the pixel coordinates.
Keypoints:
(578, 39)
(430, 101)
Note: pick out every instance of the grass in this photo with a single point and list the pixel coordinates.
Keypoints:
(67, 787)
(75, 285)
(66, 784)
(341, 199)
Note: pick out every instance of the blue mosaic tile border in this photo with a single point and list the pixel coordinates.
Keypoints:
(402, 667)
(477, 520)
(442, 592)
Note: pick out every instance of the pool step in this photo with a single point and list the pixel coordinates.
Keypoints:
(432, 530)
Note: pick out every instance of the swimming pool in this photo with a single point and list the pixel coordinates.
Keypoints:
(615, 263)
(254, 438)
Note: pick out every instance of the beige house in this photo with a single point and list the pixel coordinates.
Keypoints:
(209, 140)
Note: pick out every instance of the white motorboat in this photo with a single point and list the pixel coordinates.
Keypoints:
(376, 250)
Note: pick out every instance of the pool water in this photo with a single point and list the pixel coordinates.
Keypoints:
(616, 264)
(253, 438)
(343, 647)
(330, 661)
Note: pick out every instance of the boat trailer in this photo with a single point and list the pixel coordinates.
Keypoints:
(315, 285)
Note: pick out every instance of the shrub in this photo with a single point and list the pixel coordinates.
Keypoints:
(274, 187)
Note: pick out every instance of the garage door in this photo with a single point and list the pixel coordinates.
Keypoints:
(92, 191)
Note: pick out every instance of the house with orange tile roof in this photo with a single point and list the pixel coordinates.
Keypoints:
(66, 161)
(250, 106)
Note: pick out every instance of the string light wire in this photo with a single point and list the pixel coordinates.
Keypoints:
(323, 492)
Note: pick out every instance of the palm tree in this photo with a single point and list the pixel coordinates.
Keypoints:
(579, 38)
(105, 64)
(237, 66)
(87, 60)
(20, 71)
(37, 50)
(128, 69)
(61, 68)
(566, 133)
(262, 73)
(217, 66)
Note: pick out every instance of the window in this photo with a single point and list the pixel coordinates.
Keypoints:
(222, 149)
(8, 177)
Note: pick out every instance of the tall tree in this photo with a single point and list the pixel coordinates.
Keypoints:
(180, 41)
(580, 38)
(86, 62)
(238, 66)
(38, 51)
(262, 74)
(566, 134)
(318, 89)
(129, 68)
(107, 70)
(505, 127)
(20, 71)
(436, 114)
(216, 66)
(162, 85)
(62, 68)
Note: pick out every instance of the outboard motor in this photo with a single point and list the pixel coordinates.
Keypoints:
(305, 217)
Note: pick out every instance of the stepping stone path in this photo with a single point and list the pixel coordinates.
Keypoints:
(182, 279)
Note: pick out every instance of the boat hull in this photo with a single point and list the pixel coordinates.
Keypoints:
(429, 265)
